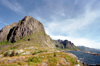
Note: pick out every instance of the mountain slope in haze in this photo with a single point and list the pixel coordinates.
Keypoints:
(65, 45)
(89, 49)
(29, 31)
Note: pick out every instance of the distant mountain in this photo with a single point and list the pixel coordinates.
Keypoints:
(88, 49)
(65, 44)
(28, 30)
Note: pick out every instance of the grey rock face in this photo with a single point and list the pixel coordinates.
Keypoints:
(65, 44)
(4, 31)
(25, 27)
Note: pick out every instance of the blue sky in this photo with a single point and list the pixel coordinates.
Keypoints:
(75, 20)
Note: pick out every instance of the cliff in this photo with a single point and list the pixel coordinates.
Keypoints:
(65, 44)
(4, 31)
(26, 30)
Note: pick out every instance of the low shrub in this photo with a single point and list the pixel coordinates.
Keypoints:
(34, 53)
(6, 54)
(55, 55)
(12, 54)
(34, 59)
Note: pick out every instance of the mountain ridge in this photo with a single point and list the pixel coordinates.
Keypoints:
(65, 44)
(29, 30)
(84, 48)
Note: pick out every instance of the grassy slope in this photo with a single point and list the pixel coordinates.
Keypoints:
(37, 39)
(38, 55)
(53, 58)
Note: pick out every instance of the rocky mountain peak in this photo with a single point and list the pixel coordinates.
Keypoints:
(65, 44)
(27, 29)
(26, 18)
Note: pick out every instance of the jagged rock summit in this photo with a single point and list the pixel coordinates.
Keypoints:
(27, 26)
(65, 44)
(28, 29)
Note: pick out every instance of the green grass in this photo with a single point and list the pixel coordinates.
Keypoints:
(41, 51)
(52, 59)
(35, 53)
(13, 48)
(71, 59)
(4, 42)
(34, 59)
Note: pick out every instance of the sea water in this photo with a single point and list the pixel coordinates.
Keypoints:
(87, 58)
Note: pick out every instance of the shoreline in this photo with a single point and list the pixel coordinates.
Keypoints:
(92, 53)
(84, 63)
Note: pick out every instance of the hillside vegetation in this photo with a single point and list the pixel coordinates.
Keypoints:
(26, 44)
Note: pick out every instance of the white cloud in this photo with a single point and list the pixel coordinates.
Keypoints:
(71, 26)
(15, 6)
(66, 29)
(3, 23)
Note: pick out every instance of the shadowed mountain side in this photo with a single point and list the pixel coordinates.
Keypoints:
(65, 45)
(4, 31)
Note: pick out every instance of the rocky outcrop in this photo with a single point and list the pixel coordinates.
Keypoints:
(27, 26)
(65, 44)
(4, 31)
(68, 44)
(27, 29)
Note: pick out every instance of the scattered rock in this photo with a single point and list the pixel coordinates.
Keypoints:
(77, 65)
(43, 64)
(72, 55)
(63, 62)
(1, 56)
(11, 60)
(19, 51)
(26, 53)
(19, 59)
